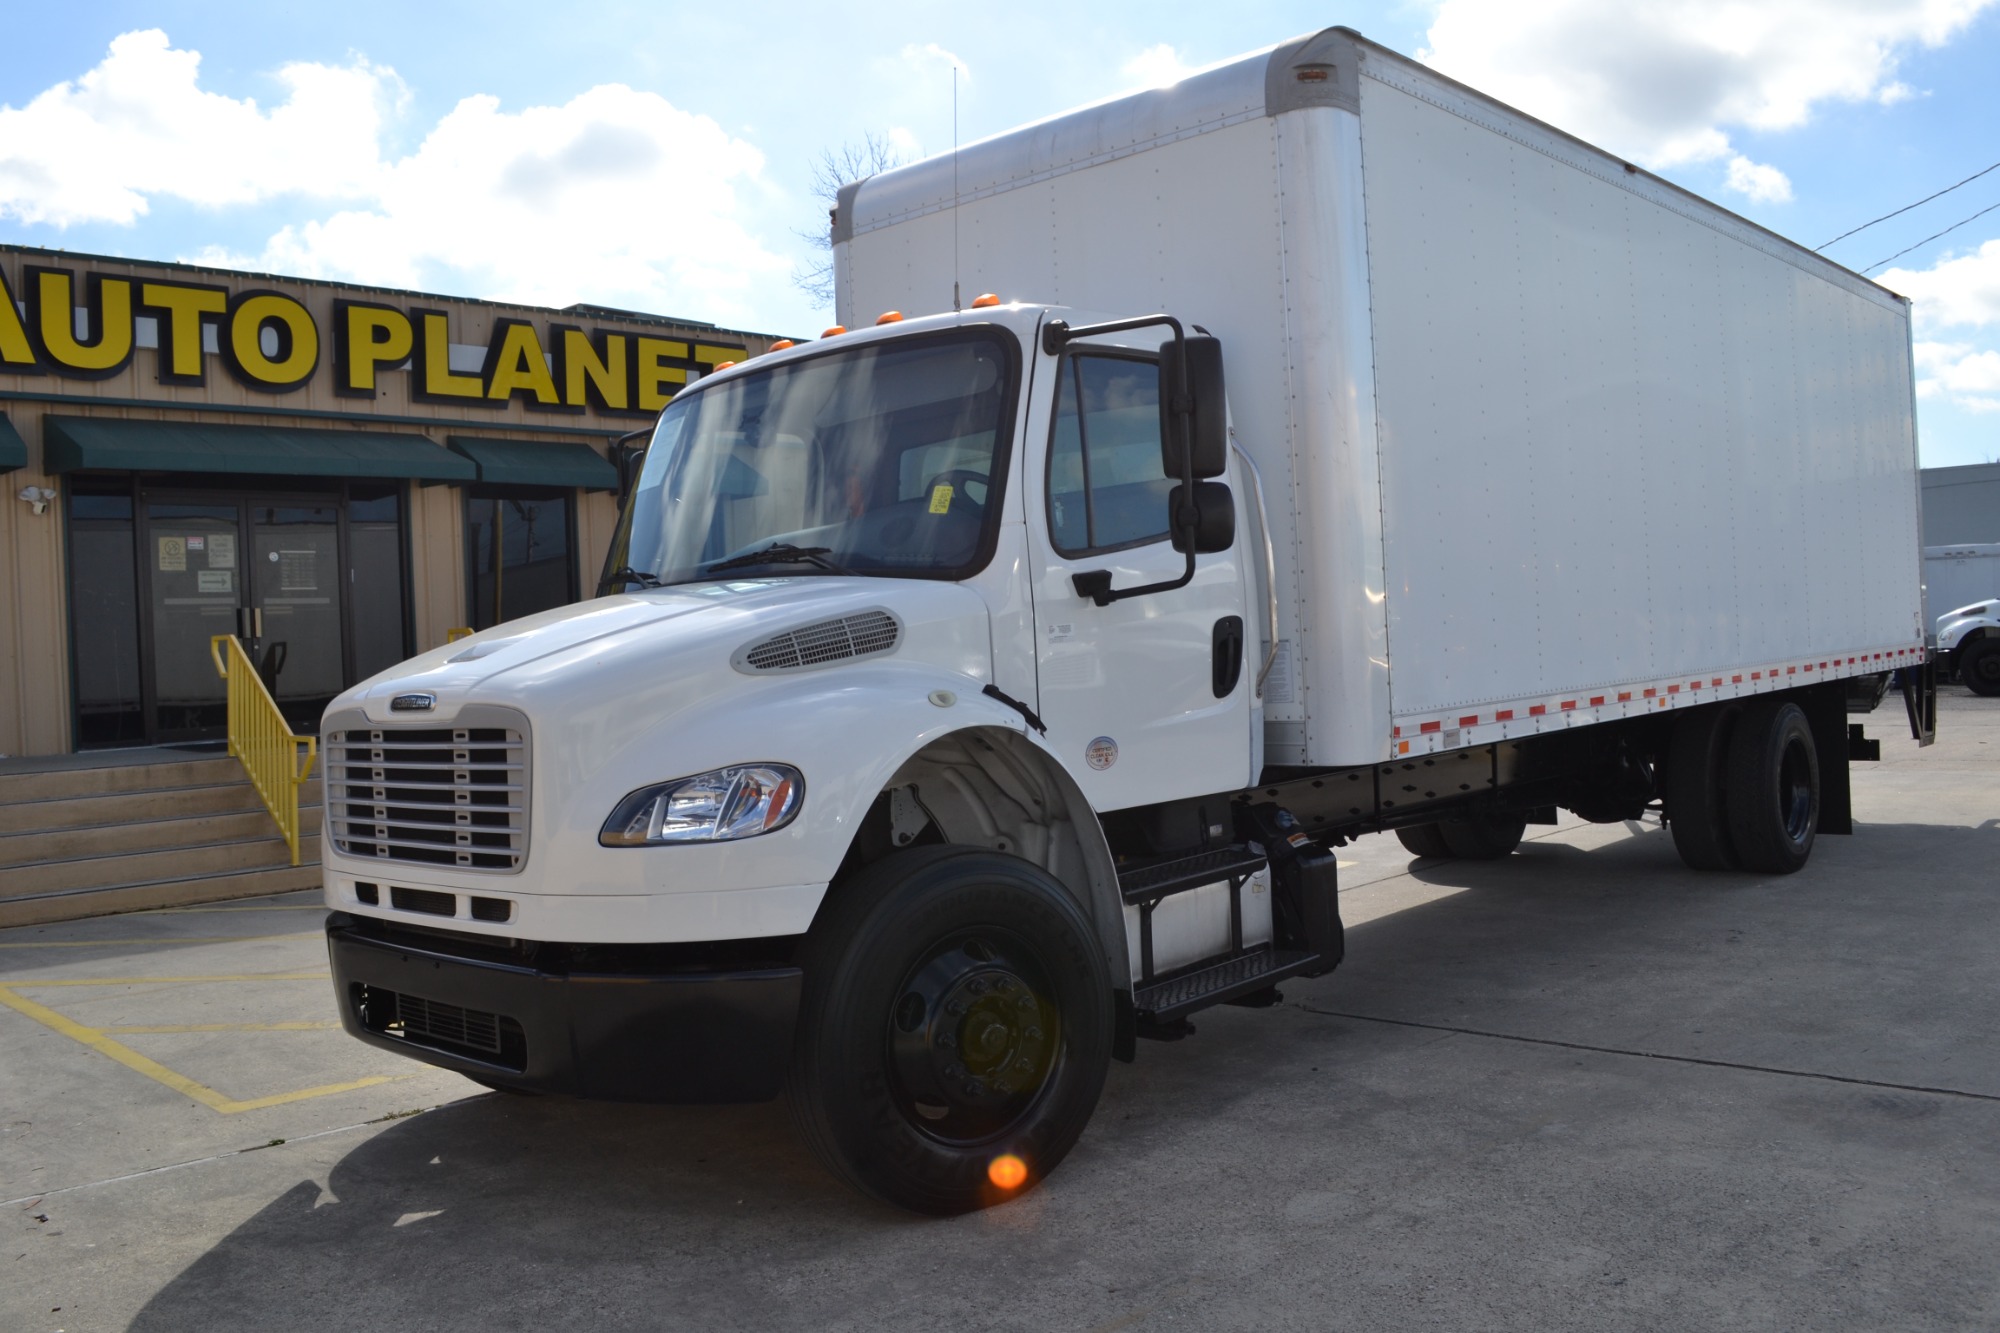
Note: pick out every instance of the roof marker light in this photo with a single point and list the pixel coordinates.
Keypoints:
(834, 331)
(890, 317)
(982, 301)
(782, 344)
(724, 365)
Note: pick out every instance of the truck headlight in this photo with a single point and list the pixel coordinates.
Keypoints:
(717, 806)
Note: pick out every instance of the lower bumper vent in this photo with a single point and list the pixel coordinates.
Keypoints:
(494, 1038)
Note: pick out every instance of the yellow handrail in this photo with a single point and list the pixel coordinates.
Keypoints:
(457, 632)
(260, 738)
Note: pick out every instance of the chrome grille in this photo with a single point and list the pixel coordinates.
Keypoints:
(446, 796)
(861, 635)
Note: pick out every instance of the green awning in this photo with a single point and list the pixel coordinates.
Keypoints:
(533, 463)
(70, 443)
(13, 450)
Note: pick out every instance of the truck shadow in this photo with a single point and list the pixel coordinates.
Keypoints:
(502, 1211)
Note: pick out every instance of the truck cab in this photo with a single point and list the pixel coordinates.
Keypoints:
(924, 672)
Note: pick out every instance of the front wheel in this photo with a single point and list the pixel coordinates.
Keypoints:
(1979, 666)
(954, 1032)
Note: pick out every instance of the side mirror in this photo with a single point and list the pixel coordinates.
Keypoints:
(1214, 528)
(1207, 421)
(629, 463)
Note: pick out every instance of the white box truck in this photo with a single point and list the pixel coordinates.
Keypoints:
(974, 693)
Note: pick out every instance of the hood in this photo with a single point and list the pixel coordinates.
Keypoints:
(634, 645)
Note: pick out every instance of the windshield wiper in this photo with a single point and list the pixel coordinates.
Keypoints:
(631, 575)
(780, 553)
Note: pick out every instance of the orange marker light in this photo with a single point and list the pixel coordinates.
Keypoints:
(838, 328)
(981, 302)
(890, 317)
(1007, 1172)
(724, 365)
(782, 344)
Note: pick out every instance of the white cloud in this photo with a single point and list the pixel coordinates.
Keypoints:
(930, 55)
(138, 125)
(1664, 83)
(616, 196)
(1156, 67)
(1959, 292)
(1765, 184)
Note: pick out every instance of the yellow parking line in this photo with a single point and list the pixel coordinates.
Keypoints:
(159, 1073)
(130, 1029)
(35, 983)
(163, 939)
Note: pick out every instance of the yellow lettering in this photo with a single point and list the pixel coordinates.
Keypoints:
(298, 341)
(181, 310)
(652, 376)
(15, 349)
(710, 356)
(439, 382)
(371, 336)
(586, 376)
(516, 365)
(111, 316)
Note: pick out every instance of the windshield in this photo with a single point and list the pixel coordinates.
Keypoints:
(883, 459)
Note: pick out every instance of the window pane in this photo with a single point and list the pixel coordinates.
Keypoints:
(1109, 442)
(518, 558)
(1068, 514)
(104, 610)
(375, 546)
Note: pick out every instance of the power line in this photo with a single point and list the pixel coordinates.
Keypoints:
(1928, 239)
(1906, 208)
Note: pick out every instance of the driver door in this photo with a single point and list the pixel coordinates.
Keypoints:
(1140, 696)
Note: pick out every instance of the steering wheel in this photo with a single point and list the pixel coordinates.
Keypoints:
(958, 478)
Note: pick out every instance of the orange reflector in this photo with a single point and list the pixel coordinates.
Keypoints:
(981, 302)
(890, 317)
(838, 328)
(1007, 1172)
(782, 344)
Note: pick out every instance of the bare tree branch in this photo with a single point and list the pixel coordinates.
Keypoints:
(833, 168)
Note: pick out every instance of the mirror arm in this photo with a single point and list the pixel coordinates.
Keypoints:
(1096, 583)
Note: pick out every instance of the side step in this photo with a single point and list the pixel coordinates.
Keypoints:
(1164, 1004)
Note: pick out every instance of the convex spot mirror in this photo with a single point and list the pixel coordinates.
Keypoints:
(1208, 425)
(1214, 528)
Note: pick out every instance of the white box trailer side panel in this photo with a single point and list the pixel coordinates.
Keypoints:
(1623, 443)
(1956, 576)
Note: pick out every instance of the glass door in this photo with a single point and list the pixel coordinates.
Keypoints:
(295, 602)
(193, 558)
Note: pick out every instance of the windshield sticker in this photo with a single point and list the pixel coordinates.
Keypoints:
(941, 498)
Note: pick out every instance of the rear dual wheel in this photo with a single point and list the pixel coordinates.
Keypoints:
(1743, 788)
(954, 1032)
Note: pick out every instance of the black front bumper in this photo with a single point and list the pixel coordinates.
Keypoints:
(697, 1035)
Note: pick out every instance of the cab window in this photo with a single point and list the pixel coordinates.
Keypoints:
(1106, 487)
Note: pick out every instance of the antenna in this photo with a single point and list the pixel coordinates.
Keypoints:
(956, 304)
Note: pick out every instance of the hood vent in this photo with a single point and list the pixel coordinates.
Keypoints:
(865, 634)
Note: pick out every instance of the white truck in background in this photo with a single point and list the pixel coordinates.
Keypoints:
(977, 692)
(1966, 579)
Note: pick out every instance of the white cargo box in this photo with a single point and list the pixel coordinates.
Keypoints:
(1547, 439)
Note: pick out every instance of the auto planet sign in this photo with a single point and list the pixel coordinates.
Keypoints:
(271, 343)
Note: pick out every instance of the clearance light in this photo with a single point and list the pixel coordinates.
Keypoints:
(718, 806)
(981, 302)
(724, 365)
(890, 317)
(782, 344)
(835, 330)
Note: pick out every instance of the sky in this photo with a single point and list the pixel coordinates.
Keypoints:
(660, 156)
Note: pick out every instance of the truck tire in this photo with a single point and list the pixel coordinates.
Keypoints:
(1694, 792)
(1423, 840)
(1979, 666)
(1483, 836)
(1772, 777)
(954, 1031)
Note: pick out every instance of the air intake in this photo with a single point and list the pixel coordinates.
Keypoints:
(866, 634)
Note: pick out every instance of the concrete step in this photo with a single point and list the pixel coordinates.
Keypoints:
(68, 844)
(133, 868)
(68, 905)
(56, 783)
(67, 812)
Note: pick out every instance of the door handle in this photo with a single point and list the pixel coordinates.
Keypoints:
(1226, 660)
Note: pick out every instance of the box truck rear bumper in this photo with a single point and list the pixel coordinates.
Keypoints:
(694, 1036)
